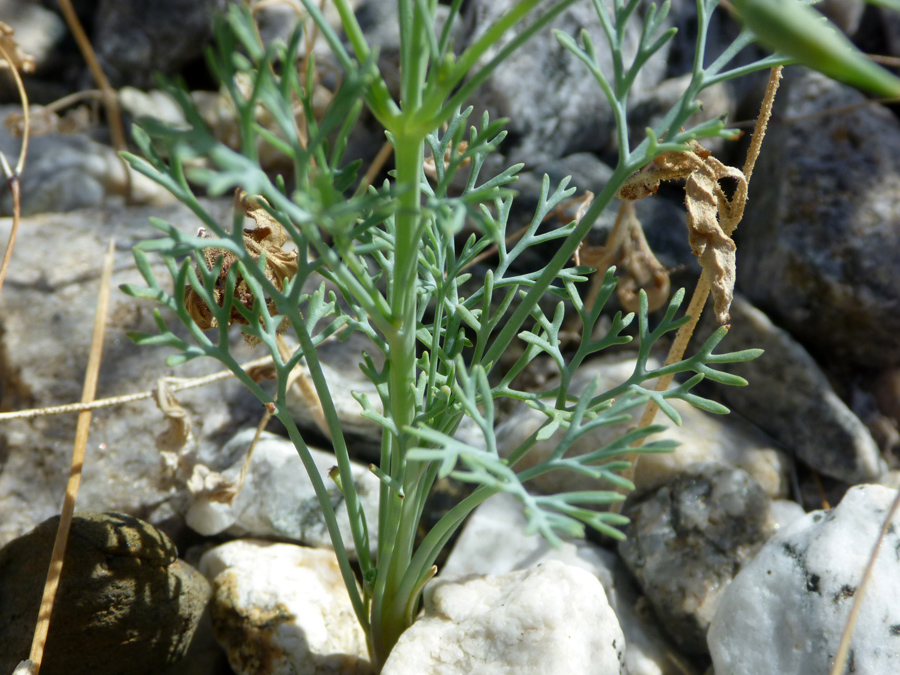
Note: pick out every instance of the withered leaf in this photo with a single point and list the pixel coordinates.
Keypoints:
(267, 238)
(711, 216)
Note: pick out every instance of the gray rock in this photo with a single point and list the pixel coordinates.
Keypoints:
(125, 604)
(48, 313)
(38, 30)
(554, 104)
(819, 245)
(688, 539)
(136, 39)
(65, 172)
(791, 399)
(277, 500)
(786, 610)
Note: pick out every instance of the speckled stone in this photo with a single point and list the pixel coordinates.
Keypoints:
(126, 604)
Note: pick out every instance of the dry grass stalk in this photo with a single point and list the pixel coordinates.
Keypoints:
(81, 436)
(13, 56)
(702, 290)
(110, 97)
(636, 265)
(840, 658)
(173, 384)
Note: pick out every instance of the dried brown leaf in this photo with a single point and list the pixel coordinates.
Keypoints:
(266, 239)
(711, 216)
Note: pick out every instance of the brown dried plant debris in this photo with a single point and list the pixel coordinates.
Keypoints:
(636, 265)
(45, 121)
(10, 48)
(711, 216)
(267, 238)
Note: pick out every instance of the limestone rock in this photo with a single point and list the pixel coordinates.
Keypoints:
(281, 609)
(494, 541)
(125, 606)
(47, 320)
(547, 620)
(277, 499)
(791, 399)
(786, 610)
(72, 171)
(688, 539)
(576, 117)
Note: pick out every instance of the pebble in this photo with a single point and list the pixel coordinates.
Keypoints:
(791, 399)
(282, 609)
(494, 541)
(552, 619)
(688, 539)
(277, 499)
(126, 604)
(786, 610)
(818, 246)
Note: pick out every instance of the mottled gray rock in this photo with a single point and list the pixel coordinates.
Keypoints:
(494, 541)
(280, 609)
(547, 620)
(277, 499)
(126, 605)
(65, 172)
(786, 610)
(703, 437)
(820, 241)
(791, 399)
(47, 320)
(554, 104)
(688, 539)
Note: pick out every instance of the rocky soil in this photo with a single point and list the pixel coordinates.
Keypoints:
(746, 545)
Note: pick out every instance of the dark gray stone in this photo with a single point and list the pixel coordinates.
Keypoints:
(136, 39)
(791, 399)
(688, 539)
(819, 246)
(554, 104)
(126, 604)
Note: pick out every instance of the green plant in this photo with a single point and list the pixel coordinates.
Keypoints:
(397, 257)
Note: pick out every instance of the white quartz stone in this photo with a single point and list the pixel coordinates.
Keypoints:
(786, 610)
(282, 609)
(494, 541)
(277, 498)
(552, 619)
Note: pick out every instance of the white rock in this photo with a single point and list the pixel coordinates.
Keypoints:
(703, 437)
(277, 499)
(786, 610)
(547, 620)
(494, 541)
(284, 606)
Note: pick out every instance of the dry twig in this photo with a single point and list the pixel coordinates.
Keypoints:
(81, 436)
(110, 97)
(702, 290)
